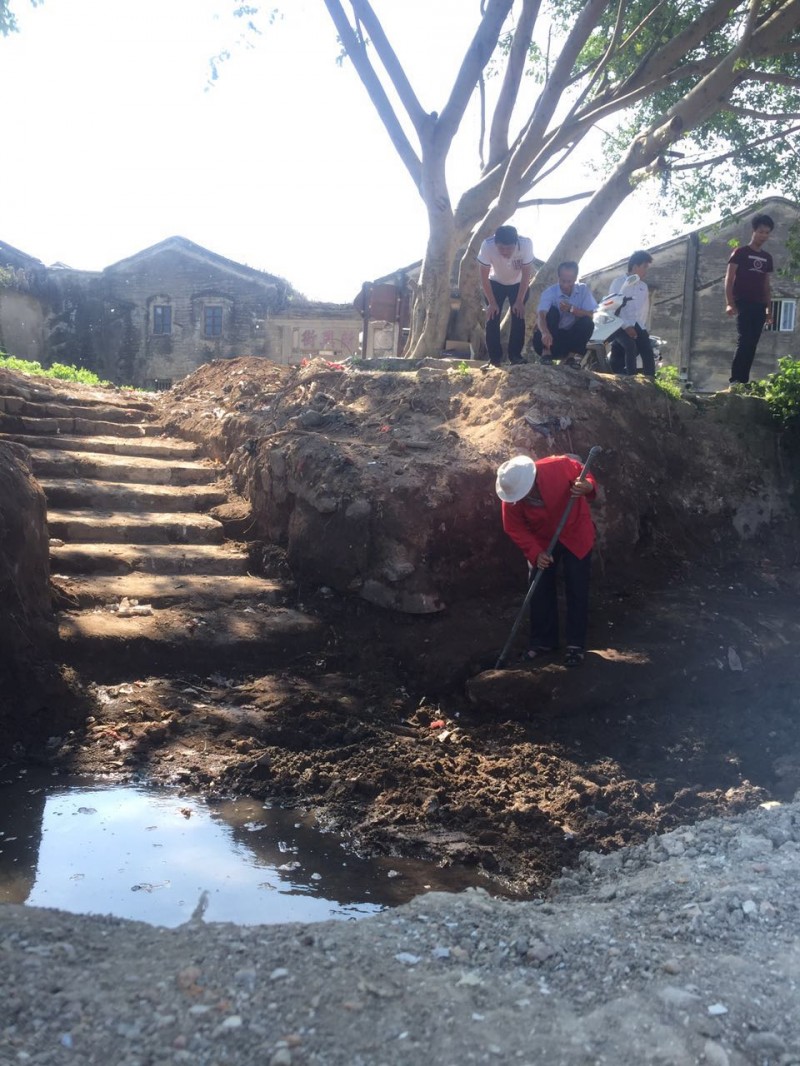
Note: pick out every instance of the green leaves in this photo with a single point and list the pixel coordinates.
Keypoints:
(782, 393)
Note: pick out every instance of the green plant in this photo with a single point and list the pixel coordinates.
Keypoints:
(668, 379)
(60, 371)
(463, 369)
(781, 390)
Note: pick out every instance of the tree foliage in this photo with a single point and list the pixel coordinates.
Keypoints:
(703, 97)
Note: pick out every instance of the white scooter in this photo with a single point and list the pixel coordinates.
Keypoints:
(606, 324)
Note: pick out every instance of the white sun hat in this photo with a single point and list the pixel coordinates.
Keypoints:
(515, 478)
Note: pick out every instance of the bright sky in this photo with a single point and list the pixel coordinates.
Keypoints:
(113, 142)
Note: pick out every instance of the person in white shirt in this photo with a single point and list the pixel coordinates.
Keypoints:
(633, 339)
(505, 262)
(564, 317)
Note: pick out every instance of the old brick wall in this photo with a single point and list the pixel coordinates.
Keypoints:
(186, 284)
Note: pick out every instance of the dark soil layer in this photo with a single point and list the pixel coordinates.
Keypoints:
(687, 706)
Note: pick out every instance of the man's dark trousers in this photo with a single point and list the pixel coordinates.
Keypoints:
(750, 319)
(624, 350)
(565, 341)
(516, 337)
(544, 602)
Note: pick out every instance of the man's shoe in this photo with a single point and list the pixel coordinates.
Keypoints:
(545, 361)
(520, 361)
(574, 657)
(490, 366)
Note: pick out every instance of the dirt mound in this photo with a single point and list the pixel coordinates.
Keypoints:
(382, 483)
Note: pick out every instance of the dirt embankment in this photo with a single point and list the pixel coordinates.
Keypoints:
(375, 491)
(33, 692)
(382, 484)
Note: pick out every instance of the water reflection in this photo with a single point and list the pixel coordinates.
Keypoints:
(152, 855)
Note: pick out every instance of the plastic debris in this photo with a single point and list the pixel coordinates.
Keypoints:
(734, 662)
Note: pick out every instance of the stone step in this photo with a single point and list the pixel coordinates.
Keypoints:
(16, 405)
(152, 447)
(195, 591)
(140, 470)
(18, 424)
(177, 638)
(144, 527)
(49, 390)
(78, 493)
(174, 559)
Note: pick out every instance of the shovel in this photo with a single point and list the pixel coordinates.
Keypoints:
(551, 546)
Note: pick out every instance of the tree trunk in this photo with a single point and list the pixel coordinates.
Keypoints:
(431, 311)
(470, 321)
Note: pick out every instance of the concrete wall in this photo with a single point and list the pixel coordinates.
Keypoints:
(303, 331)
(687, 298)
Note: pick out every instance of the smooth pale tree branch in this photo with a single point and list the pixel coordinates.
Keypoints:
(482, 130)
(372, 84)
(769, 77)
(698, 164)
(596, 69)
(553, 200)
(763, 116)
(509, 90)
(674, 52)
(392, 65)
(473, 64)
(545, 108)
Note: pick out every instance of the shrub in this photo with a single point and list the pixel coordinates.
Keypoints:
(668, 379)
(781, 390)
(58, 370)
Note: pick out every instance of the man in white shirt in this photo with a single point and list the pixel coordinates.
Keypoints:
(505, 262)
(564, 317)
(633, 339)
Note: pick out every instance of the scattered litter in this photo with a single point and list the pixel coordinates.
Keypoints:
(734, 662)
(127, 608)
(438, 724)
(717, 1008)
(146, 886)
(408, 958)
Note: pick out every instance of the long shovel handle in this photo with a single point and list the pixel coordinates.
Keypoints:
(532, 587)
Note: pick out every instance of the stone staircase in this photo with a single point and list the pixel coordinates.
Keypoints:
(151, 582)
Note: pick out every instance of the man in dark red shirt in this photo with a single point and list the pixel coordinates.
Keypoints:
(748, 296)
(534, 497)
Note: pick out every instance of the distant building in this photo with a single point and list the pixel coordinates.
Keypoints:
(156, 316)
(687, 296)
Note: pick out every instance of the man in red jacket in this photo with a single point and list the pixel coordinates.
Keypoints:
(534, 497)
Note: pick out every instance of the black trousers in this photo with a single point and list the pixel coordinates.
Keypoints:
(624, 350)
(544, 602)
(516, 338)
(750, 319)
(574, 339)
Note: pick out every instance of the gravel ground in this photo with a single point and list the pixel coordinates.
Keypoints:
(683, 950)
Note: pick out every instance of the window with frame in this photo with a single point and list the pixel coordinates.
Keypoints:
(784, 316)
(212, 321)
(162, 320)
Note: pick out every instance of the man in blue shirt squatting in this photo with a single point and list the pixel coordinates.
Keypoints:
(505, 262)
(564, 317)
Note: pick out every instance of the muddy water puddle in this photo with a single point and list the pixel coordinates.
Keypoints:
(135, 851)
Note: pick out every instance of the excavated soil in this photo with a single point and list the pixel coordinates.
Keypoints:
(686, 707)
(394, 729)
